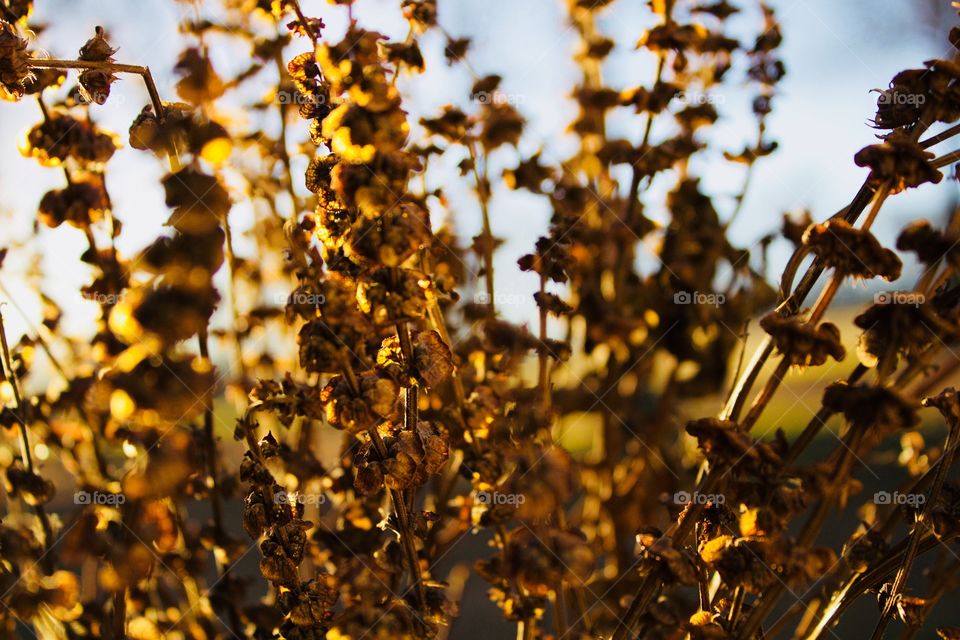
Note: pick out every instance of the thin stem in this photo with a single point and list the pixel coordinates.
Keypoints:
(946, 134)
(109, 67)
(216, 499)
(439, 323)
(234, 306)
(483, 194)
(295, 5)
(543, 358)
(817, 422)
(399, 500)
(945, 159)
(944, 465)
(25, 449)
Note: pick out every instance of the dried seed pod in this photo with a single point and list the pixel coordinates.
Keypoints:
(390, 238)
(180, 255)
(391, 295)
(851, 251)
(34, 489)
(319, 180)
(255, 514)
(405, 54)
(945, 512)
(870, 407)
(501, 124)
(802, 343)
(201, 203)
(95, 83)
(79, 204)
(539, 563)
(199, 82)
(944, 89)
(62, 136)
(893, 329)
(899, 161)
(278, 568)
(162, 138)
(864, 550)
(902, 103)
(377, 400)
(412, 456)
(171, 312)
(155, 389)
(14, 70)
(658, 555)
(722, 441)
(452, 124)
(930, 245)
(432, 359)
(313, 602)
(529, 174)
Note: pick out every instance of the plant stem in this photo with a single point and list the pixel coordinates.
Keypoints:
(399, 501)
(944, 465)
(25, 449)
(483, 194)
(109, 67)
(946, 134)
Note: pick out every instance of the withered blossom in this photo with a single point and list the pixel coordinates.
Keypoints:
(802, 343)
(898, 161)
(851, 251)
(871, 407)
(14, 70)
(95, 83)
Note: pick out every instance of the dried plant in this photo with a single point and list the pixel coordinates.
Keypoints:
(451, 418)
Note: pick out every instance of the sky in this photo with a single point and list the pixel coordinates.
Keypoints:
(835, 54)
